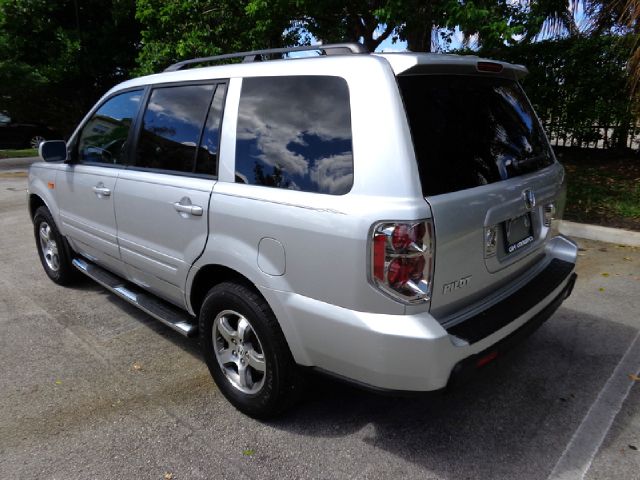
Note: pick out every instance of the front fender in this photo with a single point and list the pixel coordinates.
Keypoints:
(42, 183)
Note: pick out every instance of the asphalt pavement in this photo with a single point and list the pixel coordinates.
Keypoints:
(90, 387)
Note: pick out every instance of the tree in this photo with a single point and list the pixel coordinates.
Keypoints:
(568, 95)
(626, 14)
(57, 57)
(175, 30)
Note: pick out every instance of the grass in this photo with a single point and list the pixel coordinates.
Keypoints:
(604, 192)
(27, 152)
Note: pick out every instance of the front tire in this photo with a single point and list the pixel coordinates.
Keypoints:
(246, 352)
(52, 248)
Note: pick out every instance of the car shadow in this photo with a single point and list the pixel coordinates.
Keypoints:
(512, 420)
(189, 345)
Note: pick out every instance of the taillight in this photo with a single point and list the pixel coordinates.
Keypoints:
(549, 214)
(402, 259)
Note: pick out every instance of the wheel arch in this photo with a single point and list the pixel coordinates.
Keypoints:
(35, 202)
(213, 274)
(208, 276)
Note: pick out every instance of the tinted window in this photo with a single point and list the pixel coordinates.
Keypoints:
(295, 133)
(103, 139)
(208, 153)
(470, 131)
(172, 125)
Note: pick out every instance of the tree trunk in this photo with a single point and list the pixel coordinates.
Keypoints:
(418, 29)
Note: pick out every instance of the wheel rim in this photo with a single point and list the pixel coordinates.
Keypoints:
(36, 141)
(239, 352)
(49, 247)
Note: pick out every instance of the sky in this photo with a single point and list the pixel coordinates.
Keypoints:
(399, 46)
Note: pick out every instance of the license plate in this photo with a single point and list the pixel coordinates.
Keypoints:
(518, 232)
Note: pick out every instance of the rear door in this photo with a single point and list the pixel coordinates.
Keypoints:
(488, 173)
(163, 197)
(85, 188)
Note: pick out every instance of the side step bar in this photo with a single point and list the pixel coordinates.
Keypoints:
(171, 316)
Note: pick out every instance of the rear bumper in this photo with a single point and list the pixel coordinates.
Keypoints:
(415, 352)
(466, 368)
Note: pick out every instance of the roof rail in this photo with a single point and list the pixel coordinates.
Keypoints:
(256, 55)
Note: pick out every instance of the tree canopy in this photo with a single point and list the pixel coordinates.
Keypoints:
(58, 56)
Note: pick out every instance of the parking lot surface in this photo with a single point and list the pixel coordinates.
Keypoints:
(92, 388)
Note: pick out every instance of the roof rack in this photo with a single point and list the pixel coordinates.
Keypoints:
(257, 55)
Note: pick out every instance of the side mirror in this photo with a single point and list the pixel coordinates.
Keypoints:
(53, 151)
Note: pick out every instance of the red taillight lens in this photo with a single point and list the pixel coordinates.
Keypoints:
(402, 262)
(379, 245)
(401, 237)
(399, 272)
(489, 67)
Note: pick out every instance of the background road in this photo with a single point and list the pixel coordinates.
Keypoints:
(92, 388)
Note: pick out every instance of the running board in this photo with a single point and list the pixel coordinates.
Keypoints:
(171, 316)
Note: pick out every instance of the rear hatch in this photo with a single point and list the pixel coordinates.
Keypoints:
(488, 173)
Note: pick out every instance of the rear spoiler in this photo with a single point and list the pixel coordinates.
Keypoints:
(432, 63)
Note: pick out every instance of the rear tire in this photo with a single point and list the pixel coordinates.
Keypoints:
(53, 248)
(246, 352)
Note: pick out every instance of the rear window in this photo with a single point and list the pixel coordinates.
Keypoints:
(470, 131)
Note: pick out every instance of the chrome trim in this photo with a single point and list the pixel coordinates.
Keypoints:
(172, 317)
(529, 199)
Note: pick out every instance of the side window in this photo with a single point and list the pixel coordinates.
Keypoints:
(208, 152)
(172, 129)
(103, 138)
(295, 133)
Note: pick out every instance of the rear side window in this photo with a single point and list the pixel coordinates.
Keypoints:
(295, 133)
(103, 138)
(470, 131)
(175, 122)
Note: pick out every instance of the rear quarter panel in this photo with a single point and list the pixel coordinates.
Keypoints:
(325, 237)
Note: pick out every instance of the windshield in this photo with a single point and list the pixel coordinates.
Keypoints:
(470, 131)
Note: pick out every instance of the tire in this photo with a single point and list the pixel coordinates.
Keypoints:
(35, 141)
(239, 333)
(54, 252)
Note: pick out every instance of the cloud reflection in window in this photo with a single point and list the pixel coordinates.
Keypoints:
(295, 133)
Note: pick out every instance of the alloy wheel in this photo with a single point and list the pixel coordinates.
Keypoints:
(239, 352)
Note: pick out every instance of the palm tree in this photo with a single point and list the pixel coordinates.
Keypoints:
(628, 12)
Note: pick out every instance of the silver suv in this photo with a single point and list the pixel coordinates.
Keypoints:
(383, 218)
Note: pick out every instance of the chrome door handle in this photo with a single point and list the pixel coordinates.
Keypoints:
(194, 210)
(99, 190)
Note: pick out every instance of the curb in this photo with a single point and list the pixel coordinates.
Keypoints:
(601, 234)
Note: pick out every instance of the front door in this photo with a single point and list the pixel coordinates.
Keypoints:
(86, 187)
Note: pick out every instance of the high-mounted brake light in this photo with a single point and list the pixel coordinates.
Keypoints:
(489, 67)
(402, 259)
